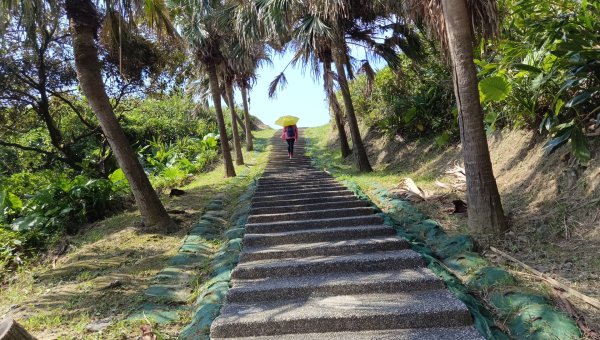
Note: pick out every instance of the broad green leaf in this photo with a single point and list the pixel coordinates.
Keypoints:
(558, 106)
(558, 141)
(28, 222)
(10, 201)
(117, 176)
(538, 81)
(494, 89)
(579, 146)
(579, 99)
(528, 68)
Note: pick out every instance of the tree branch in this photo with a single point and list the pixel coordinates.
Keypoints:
(32, 149)
(73, 107)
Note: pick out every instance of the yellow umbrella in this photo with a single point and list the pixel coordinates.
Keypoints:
(287, 120)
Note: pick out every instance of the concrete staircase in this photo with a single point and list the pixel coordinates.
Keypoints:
(318, 264)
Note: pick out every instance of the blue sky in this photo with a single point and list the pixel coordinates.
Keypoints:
(303, 96)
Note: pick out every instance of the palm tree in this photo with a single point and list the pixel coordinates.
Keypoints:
(228, 78)
(328, 78)
(245, 62)
(311, 24)
(451, 21)
(201, 28)
(84, 21)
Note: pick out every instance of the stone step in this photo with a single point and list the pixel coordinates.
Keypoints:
(296, 182)
(309, 215)
(290, 164)
(379, 261)
(299, 177)
(351, 203)
(307, 225)
(318, 235)
(446, 333)
(344, 247)
(297, 190)
(300, 185)
(437, 308)
(283, 197)
(300, 201)
(288, 288)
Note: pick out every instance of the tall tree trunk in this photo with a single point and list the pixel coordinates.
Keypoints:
(360, 153)
(216, 94)
(337, 111)
(84, 22)
(237, 118)
(237, 144)
(247, 123)
(485, 214)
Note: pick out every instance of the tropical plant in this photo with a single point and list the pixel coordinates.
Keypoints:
(201, 26)
(544, 69)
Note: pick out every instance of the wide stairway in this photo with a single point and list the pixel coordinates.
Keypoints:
(318, 263)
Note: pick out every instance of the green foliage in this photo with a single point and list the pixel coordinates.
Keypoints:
(60, 207)
(170, 163)
(548, 55)
(494, 89)
(413, 101)
(167, 117)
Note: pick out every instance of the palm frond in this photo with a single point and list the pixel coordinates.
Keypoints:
(484, 18)
(279, 82)
(367, 69)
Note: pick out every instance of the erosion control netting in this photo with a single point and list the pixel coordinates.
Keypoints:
(524, 314)
(212, 294)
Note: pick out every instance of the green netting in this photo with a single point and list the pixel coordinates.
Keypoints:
(466, 262)
(222, 263)
(234, 233)
(447, 246)
(541, 321)
(215, 293)
(509, 302)
(199, 328)
(487, 278)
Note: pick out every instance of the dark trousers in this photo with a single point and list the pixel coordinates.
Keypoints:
(290, 142)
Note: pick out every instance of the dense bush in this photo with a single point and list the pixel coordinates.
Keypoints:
(414, 100)
(33, 223)
(545, 71)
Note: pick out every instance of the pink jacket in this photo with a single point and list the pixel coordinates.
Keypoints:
(284, 133)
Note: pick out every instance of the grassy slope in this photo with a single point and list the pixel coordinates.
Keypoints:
(59, 297)
(553, 205)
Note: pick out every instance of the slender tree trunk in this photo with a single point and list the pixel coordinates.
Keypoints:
(237, 118)
(360, 153)
(485, 214)
(84, 20)
(216, 94)
(337, 111)
(237, 144)
(247, 123)
(43, 110)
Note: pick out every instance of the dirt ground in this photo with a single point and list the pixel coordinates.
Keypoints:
(552, 203)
